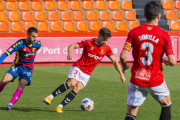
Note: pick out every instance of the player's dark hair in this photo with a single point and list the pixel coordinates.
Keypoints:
(152, 10)
(32, 29)
(105, 33)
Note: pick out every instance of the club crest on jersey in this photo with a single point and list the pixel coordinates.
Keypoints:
(102, 52)
(24, 49)
(149, 28)
(91, 48)
(34, 49)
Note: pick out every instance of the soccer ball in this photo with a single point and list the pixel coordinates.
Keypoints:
(87, 104)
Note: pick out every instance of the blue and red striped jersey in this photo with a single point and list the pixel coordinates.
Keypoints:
(25, 54)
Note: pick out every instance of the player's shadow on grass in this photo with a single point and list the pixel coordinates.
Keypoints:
(28, 109)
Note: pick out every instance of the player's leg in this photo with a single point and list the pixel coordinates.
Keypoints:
(136, 97)
(162, 95)
(6, 79)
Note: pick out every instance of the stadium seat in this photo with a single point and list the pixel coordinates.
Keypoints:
(16, 26)
(101, 5)
(37, 6)
(82, 26)
(179, 14)
(126, 5)
(88, 5)
(50, 5)
(40, 16)
(10, 0)
(3, 16)
(27, 16)
(104, 15)
(95, 26)
(63, 5)
(1, 6)
(48, 0)
(109, 25)
(121, 26)
(27, 25)
(24, 6)
(69, 26)
(66, 16)
(167, 5)
(133, 24)
(117, 15)
(91, 15)
(11, 6)
(22, 0)
(53, 16)
(75, 5)
(78, 16)
(13, 16)
(4, 27)
(36, 0)
(56, 26)
(175, 25)
(171, 15)
(177, 4)
(114, 5)
(43, 26)
(130, 15)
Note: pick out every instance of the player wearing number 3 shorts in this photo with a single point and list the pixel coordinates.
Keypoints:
(148, 42)
(94, 51)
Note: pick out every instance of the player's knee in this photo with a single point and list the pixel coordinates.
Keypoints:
(165, 101)
(76, 89)
(71, 83)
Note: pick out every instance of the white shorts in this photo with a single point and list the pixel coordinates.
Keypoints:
(77, 74)
(137, 94)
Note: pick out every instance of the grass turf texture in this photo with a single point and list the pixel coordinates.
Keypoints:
(104, 88)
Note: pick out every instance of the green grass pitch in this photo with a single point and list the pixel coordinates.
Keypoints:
(104, 88)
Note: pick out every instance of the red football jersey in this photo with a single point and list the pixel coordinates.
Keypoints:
(92, 55)
(149, 43)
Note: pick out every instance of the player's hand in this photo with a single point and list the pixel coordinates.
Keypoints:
(123, 79)
(69, 57)
(126, 69)
(166, 61)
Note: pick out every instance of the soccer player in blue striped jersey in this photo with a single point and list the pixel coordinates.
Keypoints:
(23, 64)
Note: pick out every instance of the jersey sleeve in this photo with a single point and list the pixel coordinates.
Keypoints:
(14, 47)
(128, 43)
(82, 44)
(39, 44)
(109, 52)
(168, 46)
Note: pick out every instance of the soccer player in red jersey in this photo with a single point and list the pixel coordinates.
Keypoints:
(149, 43)
(94, 50)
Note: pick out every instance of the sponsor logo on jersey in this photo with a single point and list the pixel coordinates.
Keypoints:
(149, 28)
(10, 49)
(94, 56)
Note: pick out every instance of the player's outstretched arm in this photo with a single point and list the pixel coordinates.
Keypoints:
(70, 49)
(123, 60)
(170, 60)
(118, 68)
(3, 57)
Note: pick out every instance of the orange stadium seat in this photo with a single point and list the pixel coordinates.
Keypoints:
(24, 6)
(13, 16)
(179, 14)
(95, 26)
(117, 15)
(101, 5)
(43, 26)
(66, 16)
(126, 5)
(177, 4)
(16, 27)
(22, 0)
(36, 0)
(121, 26)
(10, 0)
(27, 16)
(88, 5)
(40, 16)
(50, 5)
(27, 25)
(48, 0)
(109, 25)
(56, 26)
(3, 16)
(130, 15)
(78, 16)
(11, 6)
(69, 26)
(133, 24)
(82, 26)
(167, 5)
(63, 5)
(37, 6)
(171, 15)
(175, 25)
(114, 5)
(75, 5)
(104, 15)
(91, 15)
(4, 27)
(1, 6)
(53, 16)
